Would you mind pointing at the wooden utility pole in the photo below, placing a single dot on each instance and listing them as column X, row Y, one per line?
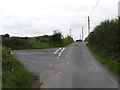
column 80, row 36
column 82, row 33
column 70, row 32
column 88, row 25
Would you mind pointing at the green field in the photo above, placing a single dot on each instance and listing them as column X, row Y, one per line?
column 18, row 43
column 36, row 45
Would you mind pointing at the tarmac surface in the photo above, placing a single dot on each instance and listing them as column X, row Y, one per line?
column 67, row 67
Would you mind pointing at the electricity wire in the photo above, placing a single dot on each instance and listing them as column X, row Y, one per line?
column 94, row 7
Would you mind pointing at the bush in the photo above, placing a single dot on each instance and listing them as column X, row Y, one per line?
column 106, row 36
column 15, row 42
column 56, row 39
column 14, row 74
column 68, row 40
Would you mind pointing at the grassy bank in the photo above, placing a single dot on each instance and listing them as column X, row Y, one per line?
column 67, row 41
column 104, row 42
column 105, row 59
column 14, row 74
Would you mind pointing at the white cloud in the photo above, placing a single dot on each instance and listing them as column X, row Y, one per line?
column 38, row 17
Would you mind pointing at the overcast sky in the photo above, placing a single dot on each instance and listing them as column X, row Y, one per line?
column 39, row 17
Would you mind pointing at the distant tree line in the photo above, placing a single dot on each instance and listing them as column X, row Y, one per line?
column 25, row 42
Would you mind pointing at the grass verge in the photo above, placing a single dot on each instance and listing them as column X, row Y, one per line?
column 14, row 74
column 42, row 45
column 102, row 56
column 68, row 41
column 35, row 46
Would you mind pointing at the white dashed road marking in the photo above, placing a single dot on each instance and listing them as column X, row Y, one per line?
column 50, row 65
column 42, row 53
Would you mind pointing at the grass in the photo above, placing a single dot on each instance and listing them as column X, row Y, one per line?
column 35, row 46
column 105, row 59
column 14, row 74
column 67, row 41
column 18, row 43
column 39, row 45
column 43, row 45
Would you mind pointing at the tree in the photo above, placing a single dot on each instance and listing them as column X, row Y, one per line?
column 56, row 38
column 6, row 35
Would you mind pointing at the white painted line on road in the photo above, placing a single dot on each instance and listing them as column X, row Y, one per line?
column 57, row 50
column 59, row 72
column 58, row 56
column 42, row 53
column 50, row 65
column 60, row 53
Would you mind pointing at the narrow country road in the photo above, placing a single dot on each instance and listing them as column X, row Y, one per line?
column 70, row 67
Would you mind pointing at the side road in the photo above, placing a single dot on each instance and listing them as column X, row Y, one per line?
column 76, row 67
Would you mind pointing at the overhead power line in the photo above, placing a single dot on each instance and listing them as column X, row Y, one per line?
column 94, row 7
column 90, row 15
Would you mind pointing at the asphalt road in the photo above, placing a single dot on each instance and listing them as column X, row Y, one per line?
column 71, row 67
